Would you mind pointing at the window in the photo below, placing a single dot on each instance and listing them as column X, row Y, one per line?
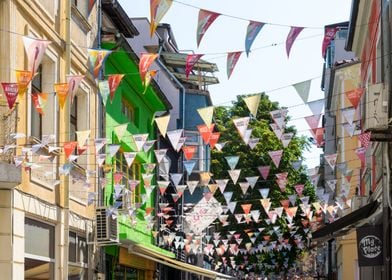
column 77, row 257
column 128, row 173
column 128, row 110
column 73, row 119
column 36, row 118
column 128, row 273
column 39, row 250
column 82, row 6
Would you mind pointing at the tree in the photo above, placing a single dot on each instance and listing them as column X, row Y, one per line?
column 281, row 246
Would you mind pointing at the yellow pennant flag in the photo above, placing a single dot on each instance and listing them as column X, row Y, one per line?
column 61, row 90
column 23, row 79
column 162, row 124
column 120, row 130
column 206, row 115
column 82, row 137
column 253, row 103
column 147, row 79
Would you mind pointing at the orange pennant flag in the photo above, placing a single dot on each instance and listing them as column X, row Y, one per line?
column 145, row 62
column 147, row 80
column 61, row 90
column 23, row 79
column 205, row 132
column 114, row 81
column 214, row 138
column 246, row 207
column 189, row 151
column 69, row 148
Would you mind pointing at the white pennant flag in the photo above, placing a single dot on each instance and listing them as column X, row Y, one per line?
column 248, row 134
column 350, row 128
column 244, row 187
column 253, row 142
column 252, row 181
column 192, row 186
column 316, row 106
column 286, row 139
column 113, row 148
column 222, row 184
column 242, row 125
column 140, row 140
column 148, row 145
column 100, row 158
column 219, row 146
column 176, row 178
column 160, row 154
column 180, row 143
column 349, row 114
column 174, row 137
column 331, row 159
column 264, row 192
column 99, row 143
column 120, row 130
column 276, row 129
column 279, row 116
column 232, row 206
column 129, row 157
column 232, row 161
column 234, row 175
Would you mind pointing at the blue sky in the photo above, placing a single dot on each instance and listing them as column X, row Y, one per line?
column 267, row 68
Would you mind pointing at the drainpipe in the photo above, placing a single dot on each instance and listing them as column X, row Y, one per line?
column 387, row 76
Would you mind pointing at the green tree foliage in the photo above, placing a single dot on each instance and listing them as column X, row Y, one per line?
column 273, row 260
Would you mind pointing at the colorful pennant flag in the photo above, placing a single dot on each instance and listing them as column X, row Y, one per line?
column 328, row 37
column 114, row 81
column 11, row 93
column 264, row 171
column 206, row 18
column 214, row 138
column 293, row 34
column 252, row 31
column 73, row 85
column 23, row 79
column 96, row 58
column 145, row 62
column 148, row 78
column 232, row 59
column 331, row 160
column 189, row 151
column 364, row 138
column 158, row 9
column 61, row 90
column 191, row 61
column 35, row 50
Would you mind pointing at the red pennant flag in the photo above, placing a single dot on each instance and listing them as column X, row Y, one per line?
column 232, row 59
column 205, row 132
column 285, row 203
column 114, row 81
column 11, row 93
column 206, row 18
column 69, row 148
column 214, row 138
column 37, row 105
column 144, row 64
column 328, row 36
column 355, row 96
column 189, row 151
column 319, row 136
column 293, row 34
column 191, row 60
column 246, row 207
column 364, row 138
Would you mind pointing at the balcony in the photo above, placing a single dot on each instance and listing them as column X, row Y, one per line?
column 10, row 175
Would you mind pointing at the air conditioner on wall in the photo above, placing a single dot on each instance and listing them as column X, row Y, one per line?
column 106, row 227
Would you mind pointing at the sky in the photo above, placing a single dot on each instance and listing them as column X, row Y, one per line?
column 267, row 69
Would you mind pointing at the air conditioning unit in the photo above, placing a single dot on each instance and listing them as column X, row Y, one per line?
column 106, row 227
column 358, row 202
column 376, row 109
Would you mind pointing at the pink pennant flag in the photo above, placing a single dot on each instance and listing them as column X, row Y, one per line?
column 313, row 122
column 364, row 138
column 361, row 153
column 191, row 60
column 299, row 189
column 232, row 59
column 264, row 171
column 206, row 18
column 11, row 93
column 35, row 50
column 276, row 157
column 328, row 36
column 73, row 85
column 293, row 34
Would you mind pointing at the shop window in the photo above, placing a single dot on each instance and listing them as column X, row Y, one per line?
column 39, row 250
column 128, row 273
column 77, row 256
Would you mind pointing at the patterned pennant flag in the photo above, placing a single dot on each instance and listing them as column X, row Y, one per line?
column 39, row 101
column 328, row 36
column 364, row 138
column 191, row 61
column 264, row 192
column 252, row 31
column 244, row 187
column 264, row 171
column 303, row 89
column 189, row 165
column 222, row 184
column 234, row 175
column 35, row 50
column 276, row 157
column 192, row 186
column 162, row 124
column 129, row 157
column 206, row 18
column 332, row 184
column 242, row 125
column 104, row 90
column 293, row 34
column 145, row 62
column 158, row 9
column 286, row 138
column 139, row 140
column 331, row 160
column 354, row 96
column 252, row 180
column 252, row 102
column 160, row 154
column 174, row 137
column 189, row 152
column 181, row 142
column 206, row 114
column 232, row 161
column 61, row 90
column 114, row 81
column 96, row 59
column 23, row 79
column 232, row 59
column 73, row 85
column 214, row 137
column 11, row 93
column 147, row 79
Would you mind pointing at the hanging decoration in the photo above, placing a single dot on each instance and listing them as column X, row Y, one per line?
column 206, row 18
column 293, row 34
column 158, row 9
column 191, row 60
column 232, row 59
column 35, row 50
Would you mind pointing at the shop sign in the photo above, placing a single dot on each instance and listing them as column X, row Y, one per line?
column 370, row 247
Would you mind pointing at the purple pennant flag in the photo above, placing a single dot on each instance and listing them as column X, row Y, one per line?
column 293, row 34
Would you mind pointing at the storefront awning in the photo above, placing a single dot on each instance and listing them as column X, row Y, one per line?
column 147, row 253
column 344, row 224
